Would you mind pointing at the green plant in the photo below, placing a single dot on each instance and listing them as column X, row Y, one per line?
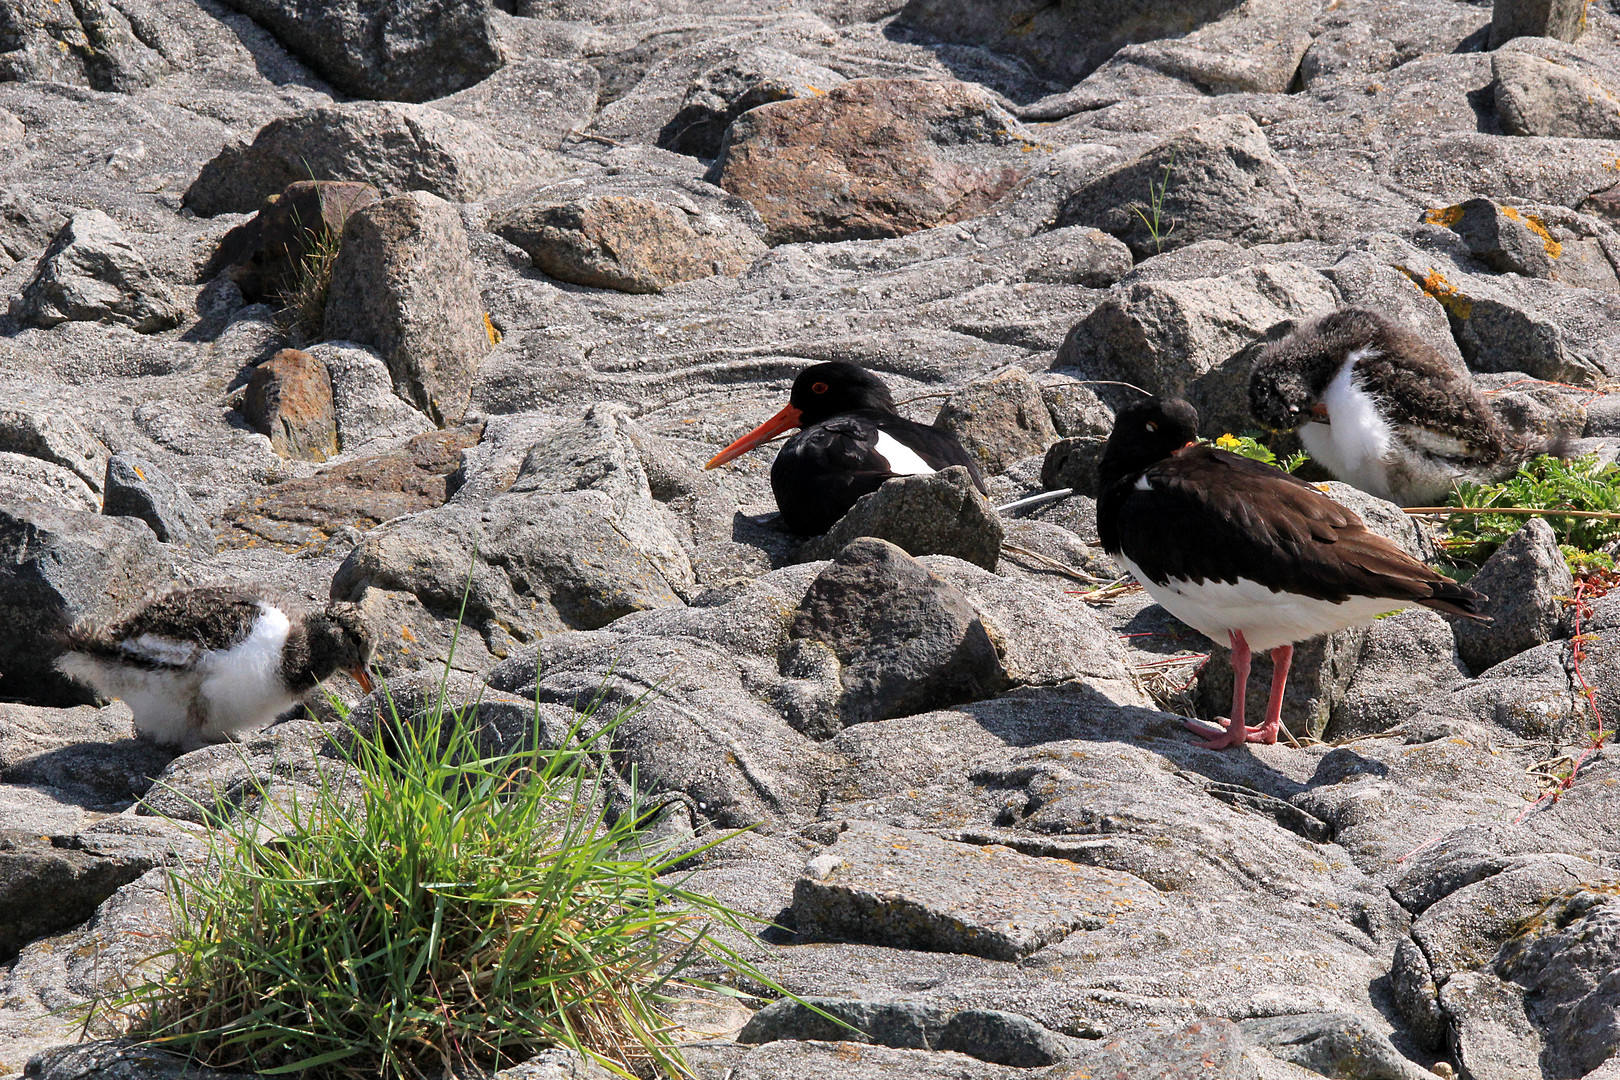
column 438, row 907
column 1588, row 489
column 1251, row 447
column 303, row 300
column 1153, row 214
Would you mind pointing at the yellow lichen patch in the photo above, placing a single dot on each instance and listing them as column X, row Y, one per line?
column 1445, row 216
column 1537, row 226
column 1435, row 284
column 495, row 335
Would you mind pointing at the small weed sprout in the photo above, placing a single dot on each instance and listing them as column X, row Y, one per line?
column 1250, row 446
column 1152, row 214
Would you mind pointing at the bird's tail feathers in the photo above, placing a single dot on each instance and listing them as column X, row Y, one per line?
column 1454, row 599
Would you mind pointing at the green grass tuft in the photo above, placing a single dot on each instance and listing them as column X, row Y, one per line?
column 303, row 301
column 438, row 907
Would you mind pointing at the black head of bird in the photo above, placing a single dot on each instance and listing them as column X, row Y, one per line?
column 821, row 392
column 1146, row 432
column 340, row 640
column 1292, row 373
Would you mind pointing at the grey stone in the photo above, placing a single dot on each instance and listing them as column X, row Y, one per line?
column 1566, row 959
column 24, row 478
column 1192, row 339
column 1007, row 1039
column 999, row 420
column 1223, row 183
column 1494, row 1039
column 1067, row 41
column 403, row 282
column 120, row 1059
column 57, row 566
column 385, row 48
column 904, row 640
column 137, row 488
column 556, row 1064
column 53, row 436
column 1526, row 581
column 907, row 889
column 364, row 405
column 289, row 399
column 900, row 1024
column 530, row 103
column 1561, row 19
column 1322, row 672
column 393, row 146
column 48, row 884
column 107, row 51
column 90, row 273
column 1332, row 1044
column 1405, row 660
column 933, row 514
column 83, row 756
column 635, row 236
column 724, row 92
column 1538, row 96
column 1501, row 237
column 1072, row 463
column 26, row 225
column 807, row 1060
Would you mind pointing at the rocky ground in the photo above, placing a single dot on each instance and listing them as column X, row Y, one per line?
column 599, row 239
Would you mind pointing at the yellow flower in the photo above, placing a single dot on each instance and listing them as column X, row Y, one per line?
column 1228, row 442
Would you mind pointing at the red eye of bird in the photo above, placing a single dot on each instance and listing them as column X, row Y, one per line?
column 820, row 387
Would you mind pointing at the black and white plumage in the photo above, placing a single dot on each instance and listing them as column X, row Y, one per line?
column 200, row 666
column 1382, row 410
column 1246, row 554
column 852, row 441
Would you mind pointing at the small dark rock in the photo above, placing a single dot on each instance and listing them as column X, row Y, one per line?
column 289, row 398
column 47, row 886
column 1500, row 237
column 938, row 514
column 1006, row 1039
column 137, row 488
column 999, row 420
column 902, row 1024
column 906, row 641
column 1525, row 583
column 1072, row 463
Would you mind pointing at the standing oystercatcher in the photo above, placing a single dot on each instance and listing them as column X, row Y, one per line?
column 199, row 666
column 1246, row 554
column 1381, row 410
column 852, row 440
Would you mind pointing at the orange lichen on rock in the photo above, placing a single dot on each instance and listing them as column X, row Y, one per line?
column 1537, row 226
column 1435, row 284
column 1445, row 216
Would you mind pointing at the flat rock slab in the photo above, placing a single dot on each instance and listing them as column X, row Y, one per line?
column 912, row 890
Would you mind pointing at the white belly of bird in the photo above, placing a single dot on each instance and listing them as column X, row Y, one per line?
column 241, row 687
column 1356, row 446
column 158, row 699
column 902, row 459
column 1266, row 617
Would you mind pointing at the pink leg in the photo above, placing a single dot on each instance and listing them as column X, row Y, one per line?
column 1281, row 657
column 1237, row 731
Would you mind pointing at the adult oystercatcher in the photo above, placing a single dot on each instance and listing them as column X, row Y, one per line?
column 1246, row 554
column 199, row 666
column 1382, row 410
column 852, row 440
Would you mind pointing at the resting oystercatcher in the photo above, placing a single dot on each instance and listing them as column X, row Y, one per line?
column 1382, row 410
column 199, row 666
column 852, row 440
column 1246, row 554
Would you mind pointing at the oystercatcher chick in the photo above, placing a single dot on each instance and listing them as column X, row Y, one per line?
column 1382, row 410
column 1246, row 554
column 852, row 440
column 200, row 666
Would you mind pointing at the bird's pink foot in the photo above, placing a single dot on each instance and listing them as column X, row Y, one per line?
column 1222, row 733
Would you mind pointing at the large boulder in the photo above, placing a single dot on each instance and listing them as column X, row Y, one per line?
column 394, row 147
column 999, row 420
column 634, row 235
column 1538, row 95
column 94, row 43
column 403, row 283
column 905, row 641
column 1526, row 583
column 872, row 158
column 1193, row 338
column 1561, row 19
column 289, row 398
column 1065, row 41
column 136, row 488
column 401, row 50
column 724, row 92
column 90, row 273
column 933, row 514
column 530, row 104
column 57, row 566
column 1216, row 180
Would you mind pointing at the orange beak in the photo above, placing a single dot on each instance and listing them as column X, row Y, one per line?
column 783, row 422
column 359, row 675
column 1319, row 411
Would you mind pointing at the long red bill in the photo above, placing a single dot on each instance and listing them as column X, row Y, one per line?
column 784, row 421
column 360, row 675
